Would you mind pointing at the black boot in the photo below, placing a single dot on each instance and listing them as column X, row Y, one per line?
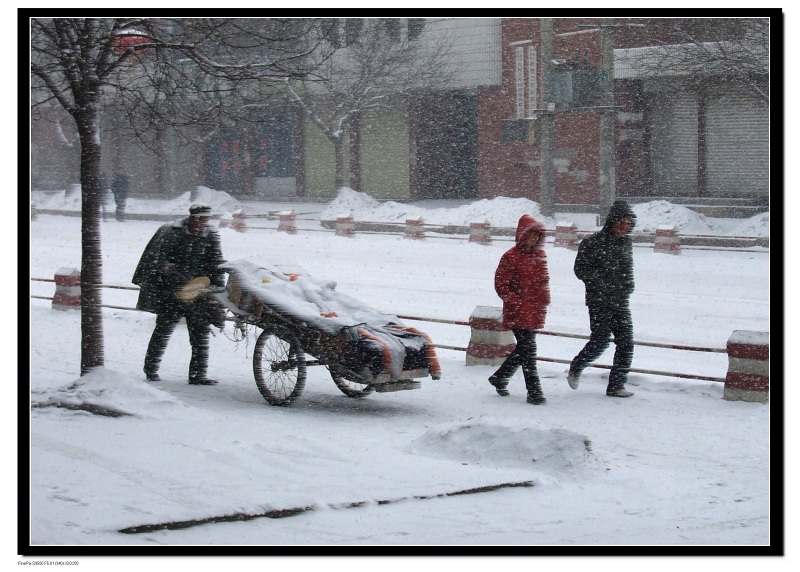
column 535, row 393
column 536, row 398
column 202, row 381
column 500, row 384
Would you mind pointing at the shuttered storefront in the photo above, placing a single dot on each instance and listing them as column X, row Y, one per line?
column 737, row 146
column 673, row 143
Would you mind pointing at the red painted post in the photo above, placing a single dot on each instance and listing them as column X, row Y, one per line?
column 667, row 240
column 345, row 226
column 480, row 232
column 238, row 222
column 287, row 222
column 567, row 235
column 748, row 367
column 414, row 229
column 490, row 342
column 68, row 289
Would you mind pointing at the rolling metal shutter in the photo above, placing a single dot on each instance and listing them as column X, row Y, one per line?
column 737, row 139
column 673, row 144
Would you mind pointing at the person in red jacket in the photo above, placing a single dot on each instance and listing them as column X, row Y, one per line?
column 523, row 283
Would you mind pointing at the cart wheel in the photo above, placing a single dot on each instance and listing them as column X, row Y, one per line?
column 279, row 365
column 349, row 388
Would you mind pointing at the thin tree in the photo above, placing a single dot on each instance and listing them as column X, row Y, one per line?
column 82, row 64
column 378, row 66
column 710, row 53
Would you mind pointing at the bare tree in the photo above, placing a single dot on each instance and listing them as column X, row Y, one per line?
column 82, row 66
column 711, row 53
column 379, row 66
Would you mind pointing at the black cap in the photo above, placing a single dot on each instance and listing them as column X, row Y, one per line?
column 200, row 210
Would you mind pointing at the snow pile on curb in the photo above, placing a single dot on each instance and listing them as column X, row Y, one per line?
column 494, row 442
column 500, row 211
column 107, row 391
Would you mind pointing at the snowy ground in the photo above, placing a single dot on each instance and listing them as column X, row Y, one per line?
column 674, row 468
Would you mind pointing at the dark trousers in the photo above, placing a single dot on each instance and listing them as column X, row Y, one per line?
column 605, row 321
column 120, row 213
column 198, row 338
column 524, row 355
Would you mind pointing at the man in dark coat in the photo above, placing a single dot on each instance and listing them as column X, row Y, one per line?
column 605, row 265
column 119, row 188
column 179, row 252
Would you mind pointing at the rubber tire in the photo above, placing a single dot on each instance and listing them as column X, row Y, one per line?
column 279, row 386
column 350, row 388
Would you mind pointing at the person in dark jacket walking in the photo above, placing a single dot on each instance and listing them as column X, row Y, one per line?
column 180, row 252
column 523, row 283
column 119, row 188
column 106, row 197
column 605, row 265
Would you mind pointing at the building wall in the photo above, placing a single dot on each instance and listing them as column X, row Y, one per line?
column 474, row 49
column 319, row 162
column 55, row 153
column 384, row 154
column 513, row 169
column 444, row 127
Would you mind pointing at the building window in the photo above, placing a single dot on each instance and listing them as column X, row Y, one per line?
column 519, row 77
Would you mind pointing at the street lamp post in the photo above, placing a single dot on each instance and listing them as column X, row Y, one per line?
column 546, row 121
column 607, row 159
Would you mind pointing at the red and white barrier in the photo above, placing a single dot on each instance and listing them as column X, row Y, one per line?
column 567, row 235
column 490, row 342
column 748, row 367
column 225, row 220
column 414, row 229
column 68, row 289
column 480, row 232
column 345, row 226
column 287, row 222
column 238, row 221
column 667, row 240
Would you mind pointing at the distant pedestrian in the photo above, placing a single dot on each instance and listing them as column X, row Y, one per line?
column 119, row 188
column 185, row 251
column 106, row 197
column 523, row 283
column 605, row 265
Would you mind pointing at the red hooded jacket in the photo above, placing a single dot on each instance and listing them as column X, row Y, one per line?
column 522, row 280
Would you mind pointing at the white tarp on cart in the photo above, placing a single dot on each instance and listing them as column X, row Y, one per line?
column 293, row 293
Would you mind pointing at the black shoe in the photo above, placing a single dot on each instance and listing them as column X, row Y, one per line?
column 203, row 381
column 536, row 398
column 500, row 385
column 153, row 377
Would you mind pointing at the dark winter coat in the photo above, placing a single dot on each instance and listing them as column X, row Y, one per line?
column 605, row 262
column 522, row 280
column 119, row 187
column 173, row 257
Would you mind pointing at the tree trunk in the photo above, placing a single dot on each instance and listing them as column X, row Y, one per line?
column 92, row 344
column 338, row 146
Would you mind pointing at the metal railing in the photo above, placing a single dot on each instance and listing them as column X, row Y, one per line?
column 680, row 347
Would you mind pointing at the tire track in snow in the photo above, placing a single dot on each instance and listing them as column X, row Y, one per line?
column 167, row 488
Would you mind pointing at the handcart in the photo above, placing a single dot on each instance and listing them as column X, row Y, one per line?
column 306, row 322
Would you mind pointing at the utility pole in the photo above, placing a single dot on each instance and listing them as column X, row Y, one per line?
column 546, row 120
column 607, row 179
